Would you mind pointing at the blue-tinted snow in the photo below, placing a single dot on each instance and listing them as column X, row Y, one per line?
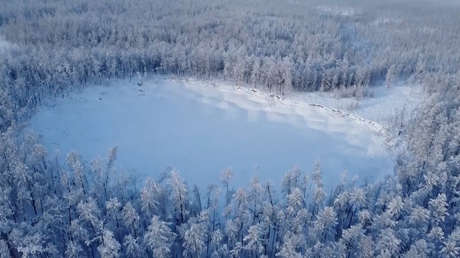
column 163, row 123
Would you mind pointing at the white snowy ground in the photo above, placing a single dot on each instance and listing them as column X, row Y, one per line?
column 201, row 128
column 381, row 108
column 375, row 113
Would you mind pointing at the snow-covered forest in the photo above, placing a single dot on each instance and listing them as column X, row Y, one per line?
column 79, row 208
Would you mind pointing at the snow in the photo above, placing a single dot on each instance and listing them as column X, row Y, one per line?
column 296, row 109
column 381, row 108
column 5, row 45
column 381, row 21
column 374, row 112
column 338, row 10
column 201, row 128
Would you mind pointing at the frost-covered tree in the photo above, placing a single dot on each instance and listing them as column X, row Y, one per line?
column 159, row 238
column 253, row 241
column 225, row 178
column 133, row 247
column 388, row 244
column 78, row 208
column 325, row 223
column 151, row 196
column 109, row 247
column 179, row 197
column 194, row 240
column 290, row 247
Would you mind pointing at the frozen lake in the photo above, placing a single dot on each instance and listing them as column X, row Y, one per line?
column 165, row 124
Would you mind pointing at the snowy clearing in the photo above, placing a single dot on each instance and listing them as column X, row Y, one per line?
column 374, row 112
column 201, row 129
column 381, row 108
column 338, row 10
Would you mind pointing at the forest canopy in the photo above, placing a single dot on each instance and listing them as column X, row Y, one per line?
column 48, row 46
column 78, row 208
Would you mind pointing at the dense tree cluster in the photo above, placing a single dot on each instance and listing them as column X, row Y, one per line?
column 88, row 209
column 48, row 45
column 83, row 209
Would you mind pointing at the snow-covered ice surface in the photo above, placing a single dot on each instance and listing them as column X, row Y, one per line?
column 381, row 108
column 201, row 128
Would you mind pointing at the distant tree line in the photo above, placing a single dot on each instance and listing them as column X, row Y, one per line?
column 54, row 45
column 88, row 209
